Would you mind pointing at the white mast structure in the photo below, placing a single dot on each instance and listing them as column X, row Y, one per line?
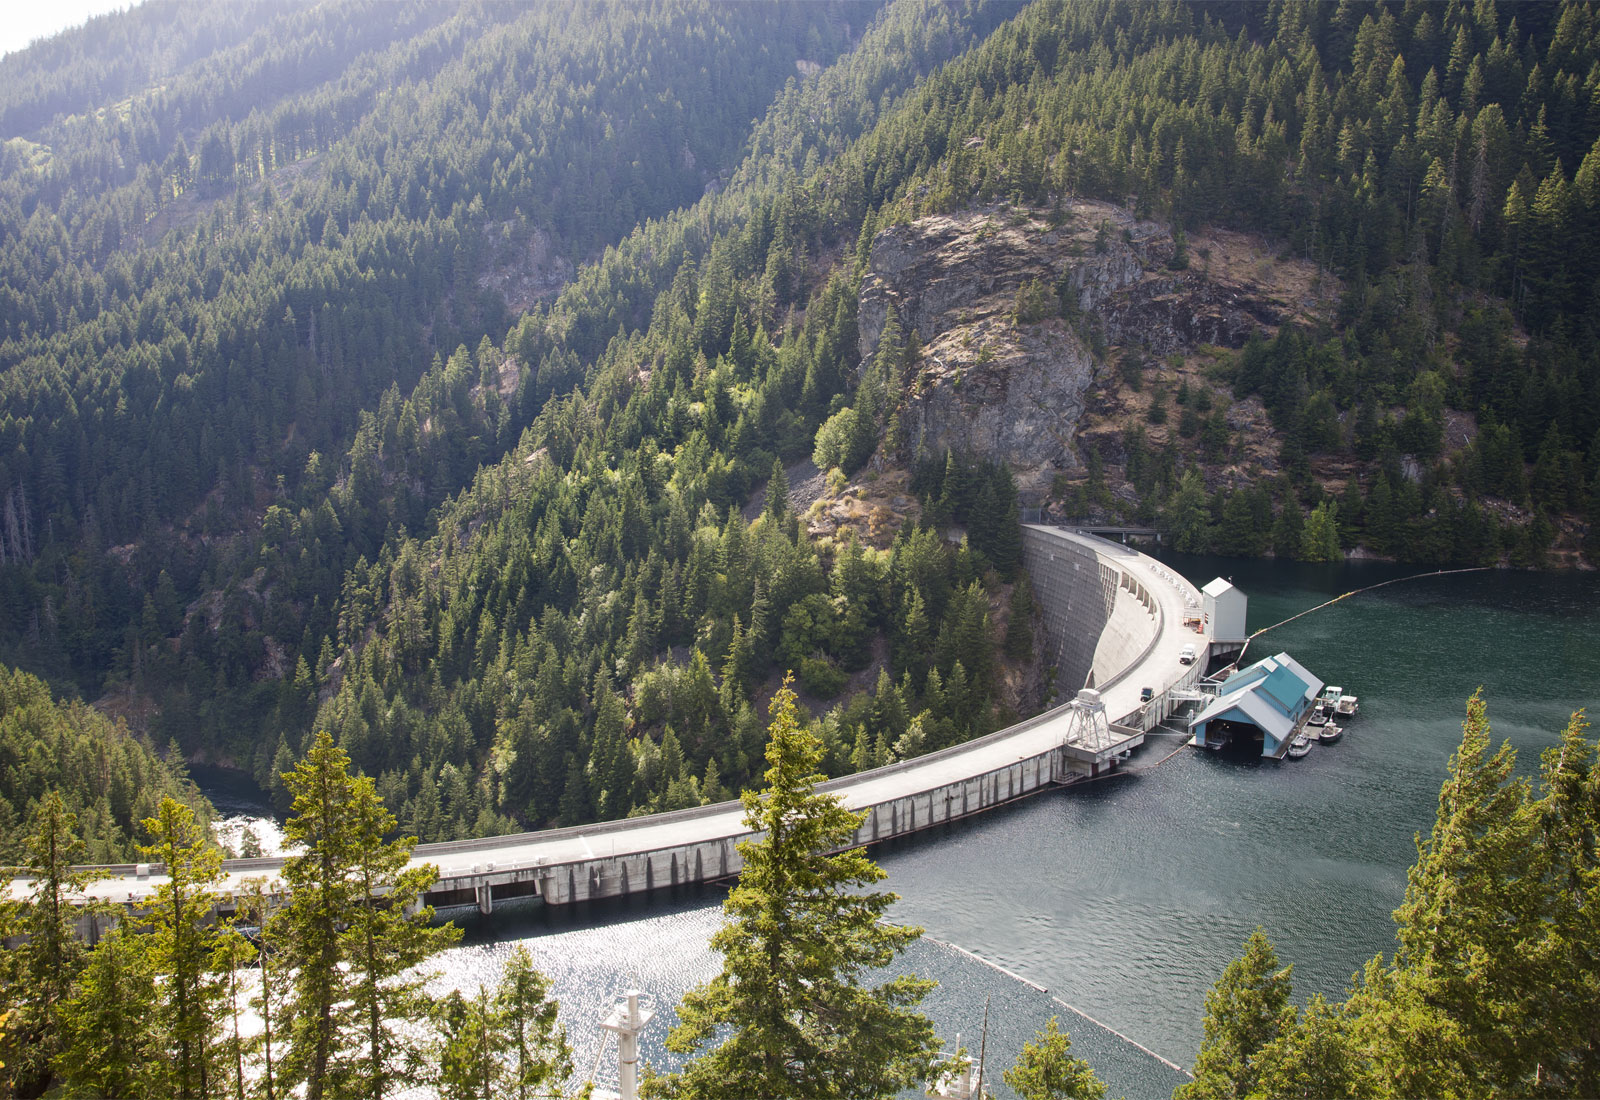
column 629, row 1016
column 955, row 1076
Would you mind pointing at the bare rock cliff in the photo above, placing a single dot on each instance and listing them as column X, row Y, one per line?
column 1013, row 388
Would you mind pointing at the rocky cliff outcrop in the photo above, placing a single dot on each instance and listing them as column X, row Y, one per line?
column 1010, row 388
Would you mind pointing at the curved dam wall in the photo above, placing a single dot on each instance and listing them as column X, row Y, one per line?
column 1112, row 616
column 1099, row 617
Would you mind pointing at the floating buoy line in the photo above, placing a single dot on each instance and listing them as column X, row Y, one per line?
column 1357, row 592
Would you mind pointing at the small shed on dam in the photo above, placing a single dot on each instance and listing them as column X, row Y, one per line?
column 1270, row 699
column 1224, row 607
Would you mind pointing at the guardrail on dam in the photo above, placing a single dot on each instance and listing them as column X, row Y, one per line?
column 1116, row 620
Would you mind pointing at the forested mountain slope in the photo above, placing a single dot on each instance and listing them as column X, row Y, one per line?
column 550, row 598
column 110, row 779
column 339, row 187
column 518, row 579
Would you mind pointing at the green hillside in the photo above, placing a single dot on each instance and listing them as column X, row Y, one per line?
column 425, row 382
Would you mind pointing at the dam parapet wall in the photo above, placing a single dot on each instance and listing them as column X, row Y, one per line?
column 1113, row 617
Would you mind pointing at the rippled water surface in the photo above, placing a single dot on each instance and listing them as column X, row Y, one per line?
column 593, row 953
column 1127, row 897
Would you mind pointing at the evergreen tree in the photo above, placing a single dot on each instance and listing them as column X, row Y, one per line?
column 1185, row 519
column 113, row 1047
column 1288, row 531
column 789, row 1014
column 231, row 959
column 1019, row 624
column 39, row 974
column 1005, row 527
column 539, row 1057
column 469, row 1054
column 1319, row 540
column 387, row 936
column 778, row 492
column 353, row 926
column 1046, row 1070
column 255, row 904
column 1247, row 1009
column 1316, row 1057
column 1491, row 991
column 181, row 945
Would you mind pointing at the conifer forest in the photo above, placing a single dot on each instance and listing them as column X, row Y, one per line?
column 475, row 417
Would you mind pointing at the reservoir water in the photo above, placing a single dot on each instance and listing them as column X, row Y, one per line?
column 1127, row 897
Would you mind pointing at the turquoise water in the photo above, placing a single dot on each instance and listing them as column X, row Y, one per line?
column 1126, row 898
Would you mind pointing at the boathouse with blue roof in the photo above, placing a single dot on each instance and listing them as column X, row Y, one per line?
column 1270, row 699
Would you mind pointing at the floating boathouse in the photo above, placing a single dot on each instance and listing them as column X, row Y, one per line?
column 1269, row 700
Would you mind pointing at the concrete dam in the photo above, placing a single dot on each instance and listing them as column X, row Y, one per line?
column 1117, row 622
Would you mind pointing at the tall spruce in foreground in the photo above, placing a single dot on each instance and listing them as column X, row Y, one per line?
column 1245, row 1011
column 790, row 1014
column 1492, row 989
column 537, row 1053
column 1046, row 1069
column 352, row 933
column 189, row 997
column 37, row 977
column 505, row 1042
column 256, row 904
column 109, row 1045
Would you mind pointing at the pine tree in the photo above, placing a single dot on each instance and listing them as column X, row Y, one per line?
column 1185, row 518
column 181, row 944
column 111, row 1047
column 1314, row 1058
column 230, row 959
column 778, row 492
column 1046, row 1070
column 536, row 1043
column 1319, row 539
column 1468, row 906
column 255, row 903
column 1245, row 1011
column 1019, row 624
column 789, row 1014
column 353, row 926
column 1288, row 530
column 915, row 639
column 468, row 1057
column 1005, row 537
column 41, row 971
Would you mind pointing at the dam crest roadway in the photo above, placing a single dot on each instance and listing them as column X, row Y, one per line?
column 1116, row 621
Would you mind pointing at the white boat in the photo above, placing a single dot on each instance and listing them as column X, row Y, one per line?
column 1347, row 706
column 1299, row 747
column 1331, row 733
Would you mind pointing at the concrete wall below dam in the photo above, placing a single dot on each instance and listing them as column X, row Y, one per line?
column 1100, row 618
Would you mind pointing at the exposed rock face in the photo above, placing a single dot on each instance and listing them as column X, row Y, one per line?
column 1171, row 314
column 526, row 267
column 973, row 262
column 1014, row 392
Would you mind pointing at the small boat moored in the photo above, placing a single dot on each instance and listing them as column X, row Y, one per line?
column 1299, row 747
column 1347, row 706
column 1331, row 733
